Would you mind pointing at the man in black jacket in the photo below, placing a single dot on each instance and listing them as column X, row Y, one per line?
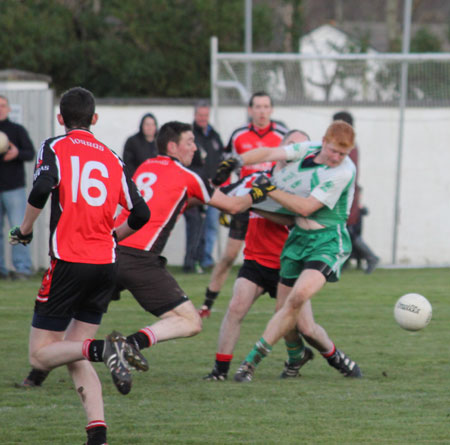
column 202, row 225
column 12, row 189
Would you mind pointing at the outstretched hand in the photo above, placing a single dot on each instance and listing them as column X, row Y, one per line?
column 260, row 188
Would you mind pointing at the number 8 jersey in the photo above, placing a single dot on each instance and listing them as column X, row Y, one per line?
column 89, row 182
column 165, row 185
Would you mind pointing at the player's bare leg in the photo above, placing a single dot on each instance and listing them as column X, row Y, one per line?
column 49, row 349
column 245, row 294
column 182, row 321
column 86, row 381
column 298, row 353
column 308, row 284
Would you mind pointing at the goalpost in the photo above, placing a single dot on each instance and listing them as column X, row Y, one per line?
column 341, row 80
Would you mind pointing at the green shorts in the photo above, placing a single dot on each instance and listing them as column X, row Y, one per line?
column 331, row 246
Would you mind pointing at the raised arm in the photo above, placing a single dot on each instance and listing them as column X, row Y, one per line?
column 263, row 154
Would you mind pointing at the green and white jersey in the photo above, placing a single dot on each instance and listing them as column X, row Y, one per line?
column 333, row 186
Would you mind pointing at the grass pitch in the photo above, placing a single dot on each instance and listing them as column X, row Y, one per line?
column 404, row 397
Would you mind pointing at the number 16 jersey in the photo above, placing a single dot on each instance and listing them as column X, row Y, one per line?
column 89, row 182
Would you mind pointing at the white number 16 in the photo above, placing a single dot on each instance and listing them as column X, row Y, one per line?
column 86, row 183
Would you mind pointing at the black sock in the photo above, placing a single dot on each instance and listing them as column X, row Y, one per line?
column 210, row 297
column 139, row 339
column 223, row 367
column 96, row 435
column 96, row 350
column 37, row 376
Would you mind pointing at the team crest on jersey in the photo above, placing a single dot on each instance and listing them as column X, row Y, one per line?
column 39, row 170
column 327, row 186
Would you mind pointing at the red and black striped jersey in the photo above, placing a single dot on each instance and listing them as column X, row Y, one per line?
column 89, row 184
column 165, row 185
column 249, row 137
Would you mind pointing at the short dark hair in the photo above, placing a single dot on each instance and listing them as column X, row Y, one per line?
column 77, row 107
column 170, row 132
column 343, row 116
column 259, row 94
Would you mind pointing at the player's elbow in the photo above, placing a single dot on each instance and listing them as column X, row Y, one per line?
column 305, row 212
column 139, row 215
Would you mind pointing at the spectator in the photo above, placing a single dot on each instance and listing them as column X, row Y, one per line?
column 141, row 146
column 200, row 244
column 12, row 190
column 360, row 250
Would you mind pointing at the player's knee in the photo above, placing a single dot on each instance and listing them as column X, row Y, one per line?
column 196, row 324
column 236, row 309
column 36, row 362
column 293, row 304
column 228, row 260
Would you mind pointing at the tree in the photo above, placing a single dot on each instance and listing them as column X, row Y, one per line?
column 123, row 48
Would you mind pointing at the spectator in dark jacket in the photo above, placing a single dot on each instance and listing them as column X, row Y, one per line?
column 141, row 146
column 202, row 225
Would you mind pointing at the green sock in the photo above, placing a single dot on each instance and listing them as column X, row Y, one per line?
column 295, row 350
column 259, row 351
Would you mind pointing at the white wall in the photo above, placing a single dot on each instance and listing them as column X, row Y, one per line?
column 425, row 188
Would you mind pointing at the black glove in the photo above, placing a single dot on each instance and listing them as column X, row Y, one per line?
column 261, row 186
column 224, row 170
column 16, row 237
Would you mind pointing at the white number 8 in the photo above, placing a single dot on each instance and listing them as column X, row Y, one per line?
column 144, row 182
column 87, row 183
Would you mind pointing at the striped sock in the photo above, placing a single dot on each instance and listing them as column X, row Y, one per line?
column 96, row 432
column 295, row 350
column 259, row 351
column 93, row 349
column 143, row 339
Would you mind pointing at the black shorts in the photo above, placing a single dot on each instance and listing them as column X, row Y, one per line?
column 145, row 275
column 265, row 277
column 73, row 290
column 238, row 225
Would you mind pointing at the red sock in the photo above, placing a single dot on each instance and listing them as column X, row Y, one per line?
column 329, row 353
column 85, row 348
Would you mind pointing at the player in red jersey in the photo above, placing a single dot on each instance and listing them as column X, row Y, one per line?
column 87, row 182
column 167, row 186
column 264, row 242
column 261, row 131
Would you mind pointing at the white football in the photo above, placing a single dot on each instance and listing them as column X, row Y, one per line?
column 4, row 142
column 412, row 312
